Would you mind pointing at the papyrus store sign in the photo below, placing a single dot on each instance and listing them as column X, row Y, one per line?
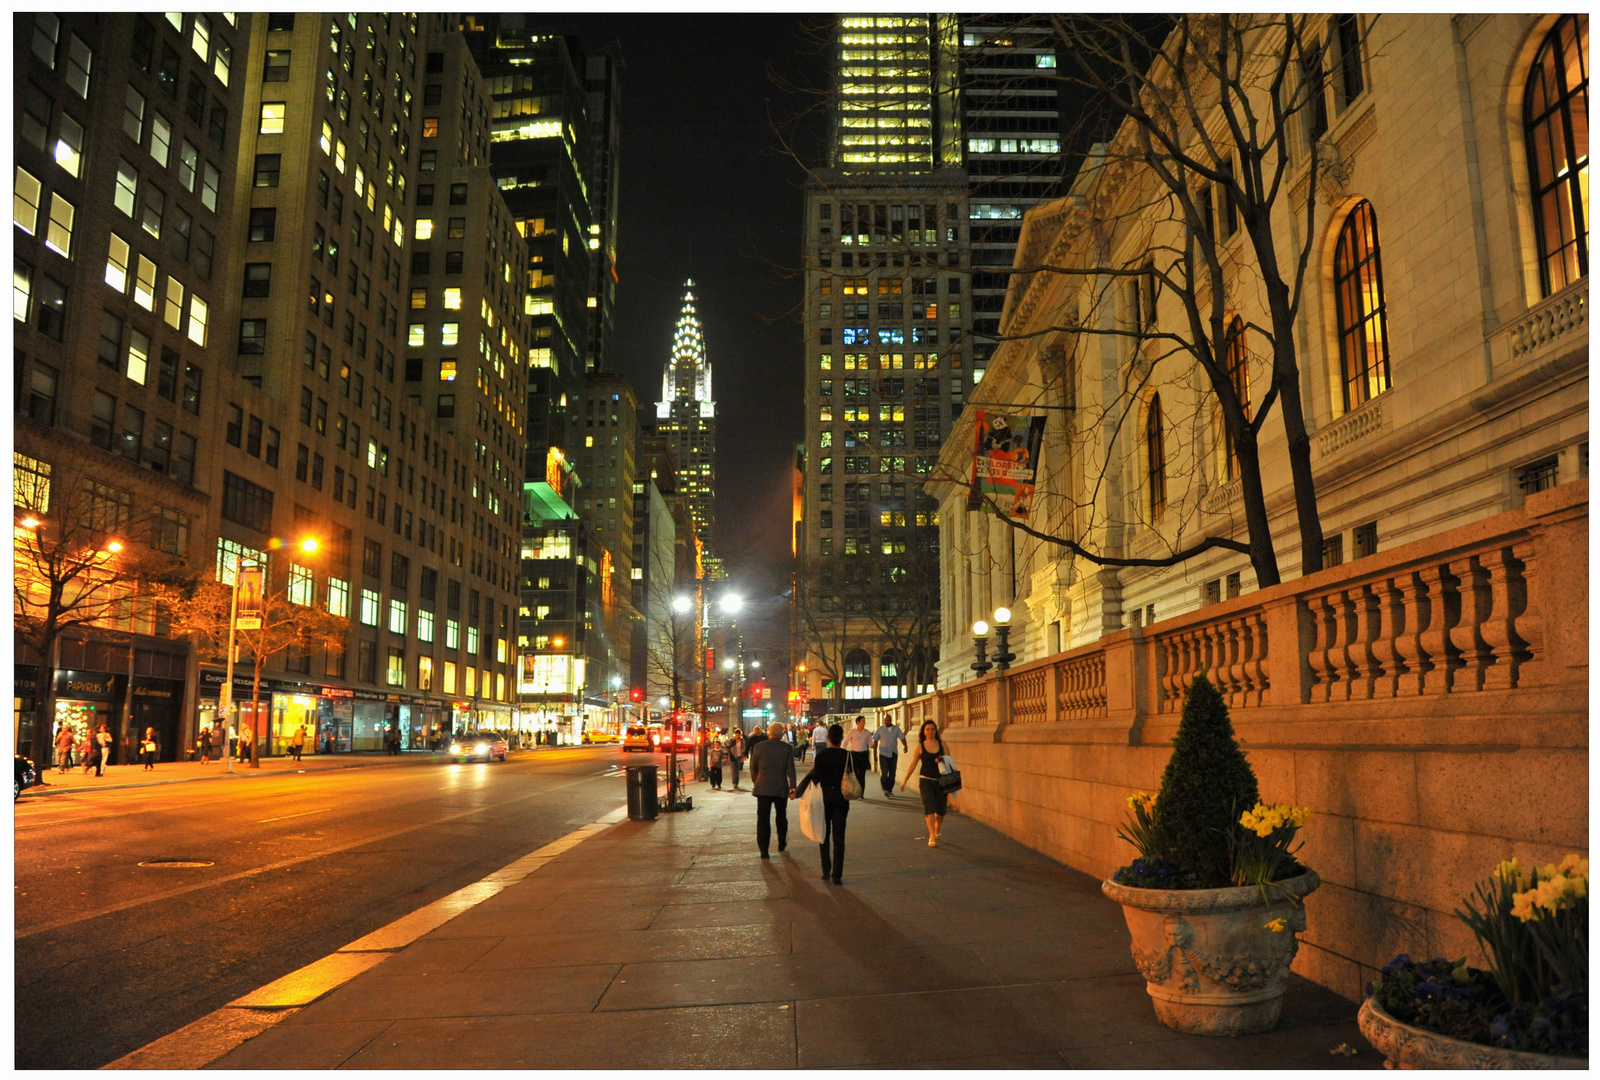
column 251, row 583
column 1005, row 461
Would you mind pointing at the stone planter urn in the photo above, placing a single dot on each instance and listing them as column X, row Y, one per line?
column 1211, row 964
column 1406, row 1046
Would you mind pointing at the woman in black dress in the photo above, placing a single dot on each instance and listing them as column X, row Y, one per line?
column 827, row 772
column 925, row 766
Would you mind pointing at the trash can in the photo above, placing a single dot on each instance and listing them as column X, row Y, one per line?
column 642, row 804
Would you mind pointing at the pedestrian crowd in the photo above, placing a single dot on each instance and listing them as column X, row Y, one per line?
column 841, row 760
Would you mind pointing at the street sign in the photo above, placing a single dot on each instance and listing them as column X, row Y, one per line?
column 251, row 584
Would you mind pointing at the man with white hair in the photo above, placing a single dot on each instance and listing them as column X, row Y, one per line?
column 772, row 783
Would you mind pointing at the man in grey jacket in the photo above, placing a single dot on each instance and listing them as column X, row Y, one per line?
column 772, row 783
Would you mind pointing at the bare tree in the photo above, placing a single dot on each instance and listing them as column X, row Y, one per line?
column 1222, row 113
column 904, row 611
column 87, row 555
column 822, row 626
column 290, row 619
column 673, row 655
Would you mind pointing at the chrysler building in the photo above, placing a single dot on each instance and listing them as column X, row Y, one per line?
column 687, row 416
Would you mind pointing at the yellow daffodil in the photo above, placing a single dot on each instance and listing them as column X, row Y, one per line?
column 1277, row 926
column 1575, row 865
column 1522, row 906
column 1509, row 872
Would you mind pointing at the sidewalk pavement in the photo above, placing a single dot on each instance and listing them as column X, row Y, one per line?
column 178, row 772
column 671, row 944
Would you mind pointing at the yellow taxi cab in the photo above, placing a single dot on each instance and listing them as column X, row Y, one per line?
column 637, row 737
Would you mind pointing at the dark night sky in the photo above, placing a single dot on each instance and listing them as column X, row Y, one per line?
column 707, row 193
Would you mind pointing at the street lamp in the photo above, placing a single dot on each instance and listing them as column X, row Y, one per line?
column 1002, row 627
column 980, row 641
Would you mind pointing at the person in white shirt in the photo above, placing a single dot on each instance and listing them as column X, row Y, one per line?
column 888, row 739
column 858, row 742
column 819, row 736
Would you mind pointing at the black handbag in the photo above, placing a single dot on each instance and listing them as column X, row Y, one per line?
column 950, row 782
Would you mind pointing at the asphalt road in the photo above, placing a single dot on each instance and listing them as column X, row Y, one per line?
column 111, row 955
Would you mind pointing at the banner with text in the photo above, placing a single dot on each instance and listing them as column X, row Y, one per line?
column 1005, row 462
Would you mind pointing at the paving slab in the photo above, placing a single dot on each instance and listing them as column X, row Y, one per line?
column 670, row 944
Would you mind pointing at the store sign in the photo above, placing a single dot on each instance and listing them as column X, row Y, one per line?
column 250, row 599
column 84, row 684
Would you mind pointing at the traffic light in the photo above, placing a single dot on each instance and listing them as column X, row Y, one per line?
column 636, row 694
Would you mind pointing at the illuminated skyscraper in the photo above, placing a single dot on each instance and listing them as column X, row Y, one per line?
column 687, row 417
column 896, row 100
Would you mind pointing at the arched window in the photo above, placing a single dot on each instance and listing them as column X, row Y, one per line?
column 857, row 675
column 1555, row 117
column 1155, row 450
column 889, row 680
column 1236, row 355
column 1358, row 295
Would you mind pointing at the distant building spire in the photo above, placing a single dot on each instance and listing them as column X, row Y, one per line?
column 687, row 414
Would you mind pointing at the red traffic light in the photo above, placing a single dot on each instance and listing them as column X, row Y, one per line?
column 636, row 694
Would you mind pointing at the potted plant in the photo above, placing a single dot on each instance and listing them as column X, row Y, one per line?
column 1216, row 896
column 1529, row 1010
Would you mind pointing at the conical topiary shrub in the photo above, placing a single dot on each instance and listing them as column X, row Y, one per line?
column 1207, row 785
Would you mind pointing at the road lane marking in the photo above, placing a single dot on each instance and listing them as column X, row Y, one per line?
column 126, row 905
column 218, row 1033
column 286, row 817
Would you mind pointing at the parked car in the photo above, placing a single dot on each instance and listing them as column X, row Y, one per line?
column 478, row 748
column 27, row 776
column 637, row 737
column 593, row 736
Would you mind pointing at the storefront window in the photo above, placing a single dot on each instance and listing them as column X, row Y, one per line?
column 449, row 677
column 424, row 673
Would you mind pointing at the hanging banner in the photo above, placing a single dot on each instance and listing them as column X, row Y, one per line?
column 1005, row 461
column 251, row 583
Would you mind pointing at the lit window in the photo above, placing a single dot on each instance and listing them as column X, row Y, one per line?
column 1555, row 118
column 326, row 141
column 21, row 289
column 338, row 597
column 144, row 284
column 417, row 334
column 447, row 371
column 160, row 139
column 452, row 301
column 397, row 617
column 199, row 317
column 1360, row 309
column 594, row 301
column 272, row 114
column 69, row 144
column 424, row 230
column 138, row 357
column 1046, row 61
column 302, row 587
column 425, row 626
column 25, row 201
column 452, row 634
column 449, row 333
column 424, row 673
column 127, row 188
column 472, row 640
column 338, row 155
column 174, row 309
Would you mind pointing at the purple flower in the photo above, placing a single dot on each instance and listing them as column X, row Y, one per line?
column 1395, row 965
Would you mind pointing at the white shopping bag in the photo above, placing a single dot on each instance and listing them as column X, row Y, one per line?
column 813, row 822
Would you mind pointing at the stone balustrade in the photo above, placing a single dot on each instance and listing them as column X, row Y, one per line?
column 1425, row 702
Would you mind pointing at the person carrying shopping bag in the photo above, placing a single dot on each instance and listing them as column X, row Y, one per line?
column 147, row 749
column 772, row 782
column 828, row 772
column 925, row 765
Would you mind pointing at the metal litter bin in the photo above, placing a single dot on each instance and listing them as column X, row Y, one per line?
column 642, row 803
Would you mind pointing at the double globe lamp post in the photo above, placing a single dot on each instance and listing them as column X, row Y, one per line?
column 980, row 641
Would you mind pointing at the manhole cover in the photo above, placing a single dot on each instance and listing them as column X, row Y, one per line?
column 176, row 864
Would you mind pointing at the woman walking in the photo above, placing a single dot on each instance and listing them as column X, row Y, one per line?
column 205, row 745
column 827, row 772
column 103, row 738
column 147, row 749
column 925, row 766
column 736, row 752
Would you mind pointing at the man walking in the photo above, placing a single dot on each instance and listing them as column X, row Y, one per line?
column 819, row 736
column 64, row 740
column 888, row 739
column 298, row 743
column 858, row 742
column 772, row 781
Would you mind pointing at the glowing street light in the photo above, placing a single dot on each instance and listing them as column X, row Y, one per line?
column 309, row 545
column 114, row 547
column 29, row 522
column 682, row 605
column 732, row 602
